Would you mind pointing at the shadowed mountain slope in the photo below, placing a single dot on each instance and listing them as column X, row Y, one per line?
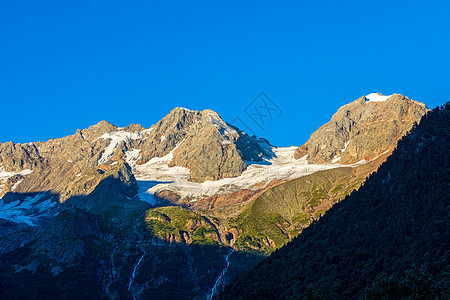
column 391, row 238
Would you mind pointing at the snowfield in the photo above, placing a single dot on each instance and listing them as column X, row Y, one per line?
column 29, row 210
column 282, row 166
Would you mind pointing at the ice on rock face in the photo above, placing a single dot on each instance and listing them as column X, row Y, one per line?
column 13, row 188
column 374, row 97
column 345, row 146
column 147, row 131
column 5, row 175
column 222, row 126
column 116, row 138
column 132, row 156
column 335, row 160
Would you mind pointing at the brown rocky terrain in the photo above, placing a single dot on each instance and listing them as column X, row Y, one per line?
column 362, row 129
column 202, row 142
column 74, row 165
column 56, row 164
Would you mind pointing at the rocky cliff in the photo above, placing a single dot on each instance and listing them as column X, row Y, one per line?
column 202, row 142
column 363, row 129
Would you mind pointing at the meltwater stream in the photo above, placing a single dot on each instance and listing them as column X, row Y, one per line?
column 222, row 274
column 133, row 275
column 224, row 271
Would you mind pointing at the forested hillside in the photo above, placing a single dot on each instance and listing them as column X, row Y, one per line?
column 388, row 240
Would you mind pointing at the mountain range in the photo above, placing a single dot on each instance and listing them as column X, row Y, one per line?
column 180, row 209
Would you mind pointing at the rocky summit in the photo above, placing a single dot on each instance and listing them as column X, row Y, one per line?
column 362, row 129
column 179, row 209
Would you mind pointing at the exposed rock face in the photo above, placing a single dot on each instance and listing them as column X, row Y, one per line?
column 210, row 149
column 18, row 157
column 73, row 166
column 65, row 166
column 165, row 135
column 362, row 129
column 201, row 142
column 95, row 131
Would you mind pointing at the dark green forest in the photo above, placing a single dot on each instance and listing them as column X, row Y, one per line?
column 388, row 240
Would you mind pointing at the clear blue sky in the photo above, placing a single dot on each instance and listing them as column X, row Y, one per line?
column 69, row 64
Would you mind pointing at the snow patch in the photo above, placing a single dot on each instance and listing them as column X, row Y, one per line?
column 374, row 97
column 147, row 131
column 28, row 211
column 4, row 175
column 345, row 146
column 154, row 173
column 132, row 156
column 25, row 172
column 335, row 160
column 379, row 155
column 116, row 138
column 225, row 129
column 163, row 138
column 16, row 185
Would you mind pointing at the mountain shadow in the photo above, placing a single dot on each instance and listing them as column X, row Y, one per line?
column 86, row 256
column 107, row 244
column 388, row 240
